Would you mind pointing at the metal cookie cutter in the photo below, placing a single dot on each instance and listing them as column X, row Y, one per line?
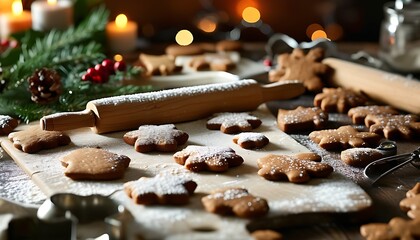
column 87, row 209
column 384, row 166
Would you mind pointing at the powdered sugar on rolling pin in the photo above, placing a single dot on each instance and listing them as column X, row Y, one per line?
column 173, row 93
column 411, row 83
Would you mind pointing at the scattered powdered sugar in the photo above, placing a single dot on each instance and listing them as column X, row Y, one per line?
column 358, row 153
column 230, row 119
column 250, row 137
column 230, row 194
column 174, row 93
column 410, row 83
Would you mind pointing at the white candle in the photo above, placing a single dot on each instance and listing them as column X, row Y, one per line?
column 51, row 14
column 15, row 21
column 121, row 35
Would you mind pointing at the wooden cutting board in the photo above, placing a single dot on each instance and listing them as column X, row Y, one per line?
column 334, row 194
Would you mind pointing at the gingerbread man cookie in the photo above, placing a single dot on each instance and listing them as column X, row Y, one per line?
column 397, row 228
column 7, row 124
column 235, row 201
column 163, row 138
column 231, row 122
column 297, row 168
column 301, row 119
column 394, row 126
column 158, row 65
column 305, row 68
column 358, row 114
column 251, row 140
column 94, row 164
column 344, row 137
column 215, row 159
column 338, row 100
column 34, row 139
column 164, row 188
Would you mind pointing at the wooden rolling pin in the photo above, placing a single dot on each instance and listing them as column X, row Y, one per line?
column 171, row 106
column 383, row 87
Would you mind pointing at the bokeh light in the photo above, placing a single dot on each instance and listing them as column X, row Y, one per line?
column 118, row 58
column 318, row 34
column 207, row 25
column 312, row 28
column 121, row 20
column 184, row 37
column 334, row 31
column 251, row 15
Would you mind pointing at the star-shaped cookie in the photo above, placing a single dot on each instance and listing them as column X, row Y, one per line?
column 164, row 188
column 394, row 126
column 162, row 138
column 7, row 124
column 305, row 68
column 397, row 228
column 301, row 119
column 232, row 122
column 344, row 137
column 338, row 100
column 235, row 201
column 297, row 168
column 211, row 158
column 34, row 139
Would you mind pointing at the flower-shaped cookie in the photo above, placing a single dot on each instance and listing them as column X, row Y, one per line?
column 164, row 188
column 162, row 138
column 344, row 137
column 211, row 158
column 235, row 201
column 94, row 164
column 397, row 228
column 231, row 122
column 301, row 119
column 34, row 139
column 7, row 124
column 305, row 68
column 358, row 114
column 394, row 126
column 297, row 168
column 338, row 100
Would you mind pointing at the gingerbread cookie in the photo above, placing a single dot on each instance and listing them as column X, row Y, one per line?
column 306, row 68
column 358, row 114
column 266, row 235
column 235, row 201
column 414, row 191
column 397, row 228
column 215, row 159
column 251, row 140
column 7, row 124
column 228, row 45
column 175, row 50
column 394, row 126
column 162, row 138
column 297, row 168
column 94, row 164
column 164, row 189
column 214, row 62
column 338, row 100
column 230, row 122
column 158, row 65
column 34, row 139
column 360, row 157
column 301, row 119
column 411, row 204
column 344, row 137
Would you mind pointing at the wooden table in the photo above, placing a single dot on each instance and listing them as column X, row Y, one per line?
column 15, row 185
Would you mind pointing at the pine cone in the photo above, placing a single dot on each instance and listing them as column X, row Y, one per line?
column 45, row 85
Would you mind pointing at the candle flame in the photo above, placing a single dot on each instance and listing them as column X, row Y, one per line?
column 121, row 20
column 251, row 15
column 318, row 34
column 52, row 2
column 118, row 57
column 184, row 37
column 17, row 7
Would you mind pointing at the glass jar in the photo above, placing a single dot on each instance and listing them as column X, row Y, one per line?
column 400, row 37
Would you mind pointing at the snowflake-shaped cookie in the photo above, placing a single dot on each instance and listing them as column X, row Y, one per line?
column 358, row 114
column 34, row 139
column 394, row 126
column 231, row 122
column 297, row 168
column 338, row 100
column 163, row 138
column 301, row 119
column 235, row 201
column 344, row 137
column 7, row 124
column 164, row 188
column 211, row 158
column 397, row 228
column 305, row 68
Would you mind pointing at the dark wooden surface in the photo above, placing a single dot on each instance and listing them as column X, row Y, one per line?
column 386, row 195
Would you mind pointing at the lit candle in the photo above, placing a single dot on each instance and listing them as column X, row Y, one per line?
column 16, row 21
column 51, row 14
column 121, row 34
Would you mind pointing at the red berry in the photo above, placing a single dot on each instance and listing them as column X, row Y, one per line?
column 92, row 71
column 14, row 44
column 108, row 64
column 4, row 43
column 267, row 62
column 120, row 66
column 86, row 77
column 97, row 78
